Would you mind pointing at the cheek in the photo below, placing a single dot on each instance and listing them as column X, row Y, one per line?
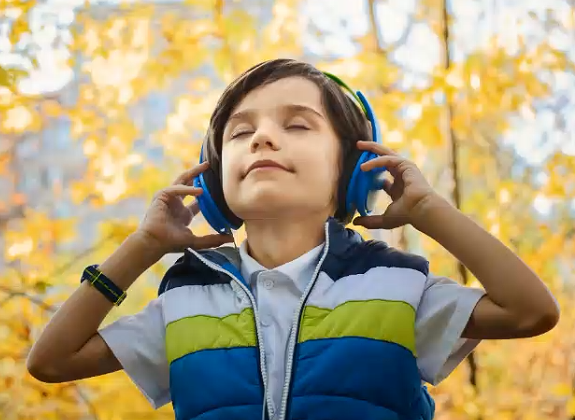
column 230, row 174
column 322, row 170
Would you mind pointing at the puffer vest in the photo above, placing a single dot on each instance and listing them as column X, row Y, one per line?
column 351, row 353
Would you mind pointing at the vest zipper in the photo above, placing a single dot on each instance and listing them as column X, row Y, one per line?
column 295, row 328
column 263, row 369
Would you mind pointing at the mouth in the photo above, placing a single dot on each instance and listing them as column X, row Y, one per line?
column 266, row 164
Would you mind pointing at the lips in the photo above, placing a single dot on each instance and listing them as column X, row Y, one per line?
column 266, row 163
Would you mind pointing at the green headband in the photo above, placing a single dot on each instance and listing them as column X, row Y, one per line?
column 347, row 88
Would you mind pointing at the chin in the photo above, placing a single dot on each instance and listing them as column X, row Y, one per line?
column 264, row 205
column 269, row 203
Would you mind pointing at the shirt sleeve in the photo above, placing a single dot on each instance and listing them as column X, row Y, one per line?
column 442, row 315
column 138, row 342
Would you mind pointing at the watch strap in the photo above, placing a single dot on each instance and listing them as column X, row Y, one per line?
column 103, row 284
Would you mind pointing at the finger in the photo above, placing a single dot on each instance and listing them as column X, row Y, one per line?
column 212, row 241
column 377, row 148
column 379, row 222
column 181, row 191
column 194, row 207
column 388, row 161
column 187, row 176
column 387, row 185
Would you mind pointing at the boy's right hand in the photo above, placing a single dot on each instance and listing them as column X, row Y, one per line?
column 165, row 224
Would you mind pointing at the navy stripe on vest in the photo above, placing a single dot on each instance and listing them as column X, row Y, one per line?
column 348, row 254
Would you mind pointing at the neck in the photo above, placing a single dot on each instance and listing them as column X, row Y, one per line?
column 273, row 243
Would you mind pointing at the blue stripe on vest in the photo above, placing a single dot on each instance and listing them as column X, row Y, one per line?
column 337, row 377
column 217, row 384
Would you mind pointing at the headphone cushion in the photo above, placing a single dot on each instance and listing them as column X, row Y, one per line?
column 365, row 186
column 350, row 162
column 212, row 182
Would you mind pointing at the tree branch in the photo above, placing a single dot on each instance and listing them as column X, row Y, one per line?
column 401, row 40
column 64, row 267
column 374, row 27
column 20, row 293
column 387, row 50
column 219, row 15
column 12, row 293
column 86, row 401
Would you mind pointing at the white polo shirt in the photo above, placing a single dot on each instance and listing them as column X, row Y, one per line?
column 138, row 341
column 277, row 294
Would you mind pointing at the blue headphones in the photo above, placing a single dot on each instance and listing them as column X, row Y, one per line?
column 359, row 191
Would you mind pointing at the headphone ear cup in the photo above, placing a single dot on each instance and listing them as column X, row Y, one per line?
column 343, row 213
column 213, row 205
column 362, row 188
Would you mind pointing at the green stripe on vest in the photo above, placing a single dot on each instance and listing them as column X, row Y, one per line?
column 203, row 332
column 392, row 321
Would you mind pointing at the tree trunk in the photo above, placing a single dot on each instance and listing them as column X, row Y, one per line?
column 451, row 139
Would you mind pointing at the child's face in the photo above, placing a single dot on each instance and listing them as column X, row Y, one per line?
column 284, row 122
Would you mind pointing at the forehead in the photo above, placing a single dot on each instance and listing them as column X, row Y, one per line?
column 283, row 92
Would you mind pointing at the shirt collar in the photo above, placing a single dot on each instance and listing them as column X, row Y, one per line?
column 299, row 270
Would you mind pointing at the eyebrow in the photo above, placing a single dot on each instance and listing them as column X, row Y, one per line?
column 291, row 107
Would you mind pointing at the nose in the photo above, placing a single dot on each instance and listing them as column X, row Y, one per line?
column 265, row 137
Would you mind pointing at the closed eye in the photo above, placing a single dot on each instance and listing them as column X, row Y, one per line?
column 297, row 127
column 240, row 134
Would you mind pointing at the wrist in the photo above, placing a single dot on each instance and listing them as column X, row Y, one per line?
column 429, row 211
column 134, row 256
column 142, row 242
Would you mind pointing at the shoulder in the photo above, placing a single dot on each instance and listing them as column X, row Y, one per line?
column 440, row 290
column 380, row 254
column 189, row 270
column 357, row 256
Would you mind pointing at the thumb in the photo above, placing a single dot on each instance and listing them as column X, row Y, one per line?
column 368, row 222
column 391, row 219
column 211, row 241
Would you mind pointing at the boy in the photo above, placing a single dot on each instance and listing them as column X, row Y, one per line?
column 307, row 320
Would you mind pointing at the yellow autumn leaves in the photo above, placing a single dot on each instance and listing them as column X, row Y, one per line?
column 147, row 78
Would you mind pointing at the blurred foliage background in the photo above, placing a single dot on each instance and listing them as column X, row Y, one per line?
column 103, row 103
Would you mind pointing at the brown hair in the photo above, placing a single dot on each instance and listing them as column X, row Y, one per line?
column 347, row 119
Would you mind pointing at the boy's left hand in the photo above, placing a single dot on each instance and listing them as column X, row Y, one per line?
column 410, row 191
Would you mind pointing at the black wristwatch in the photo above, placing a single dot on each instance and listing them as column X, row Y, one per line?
column 103, row 284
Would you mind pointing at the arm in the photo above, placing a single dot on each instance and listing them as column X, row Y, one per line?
column 70, row 347
column 517, row 303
